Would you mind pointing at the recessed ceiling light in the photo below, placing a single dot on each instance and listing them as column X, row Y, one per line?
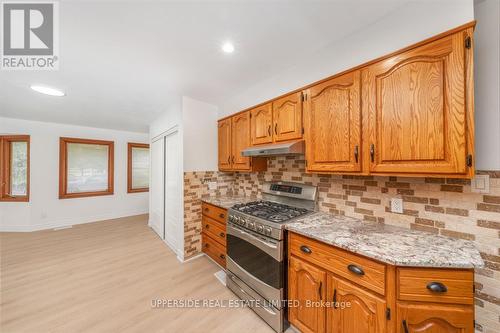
column 228, row 47
column 48, row 91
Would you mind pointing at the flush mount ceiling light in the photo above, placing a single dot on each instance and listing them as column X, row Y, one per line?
column 228, row 47
column 48, row 91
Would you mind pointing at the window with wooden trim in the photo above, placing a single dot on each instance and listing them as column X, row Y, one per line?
column 138, row 167
column 85, row 168
column 15, row 167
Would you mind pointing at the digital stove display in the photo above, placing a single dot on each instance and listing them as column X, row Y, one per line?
column 286, row 188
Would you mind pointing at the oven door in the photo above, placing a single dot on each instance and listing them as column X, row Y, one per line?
column 256, row 260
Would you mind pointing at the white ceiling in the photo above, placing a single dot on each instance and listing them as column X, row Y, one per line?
column 122, row 63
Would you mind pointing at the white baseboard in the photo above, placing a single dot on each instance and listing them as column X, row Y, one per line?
column 182, row 260
column 61, row 223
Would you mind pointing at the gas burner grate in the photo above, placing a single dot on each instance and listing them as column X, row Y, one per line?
column 271, row 211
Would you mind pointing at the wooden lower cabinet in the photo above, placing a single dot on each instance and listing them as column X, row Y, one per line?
column 306, row 285
column 358, row 310
column 434, row 318
column 213, row 237
column 410, row 299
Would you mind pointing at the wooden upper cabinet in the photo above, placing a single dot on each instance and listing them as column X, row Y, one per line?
column 434, row 318
column 333, row 129
column 287, row 118
column 240, row 128
column 306, row 283
column 224, row 142
column 416, row 109
column 261, row 124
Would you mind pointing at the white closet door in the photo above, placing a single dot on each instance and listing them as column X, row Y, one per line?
column 173, row 192
column 157, row 189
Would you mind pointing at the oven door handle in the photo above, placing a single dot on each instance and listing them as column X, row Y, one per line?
column 273, row 250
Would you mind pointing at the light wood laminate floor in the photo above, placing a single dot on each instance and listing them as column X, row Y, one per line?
column 102, row 277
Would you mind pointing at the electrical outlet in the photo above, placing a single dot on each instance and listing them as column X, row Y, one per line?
column 397, row 205
column 480, row 184
column 212, row 185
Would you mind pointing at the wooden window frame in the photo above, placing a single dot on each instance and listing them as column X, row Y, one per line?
column 5, row 156
column 131, row 145
column 63, row 166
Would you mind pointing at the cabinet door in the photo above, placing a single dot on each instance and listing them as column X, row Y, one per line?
column 357, row 310
column 434, row 318
column 261, row 124
column 240, row 140
column 332, row 117
column 224, row 133
column 306, row 285
column 287, row 117
column 415, row 108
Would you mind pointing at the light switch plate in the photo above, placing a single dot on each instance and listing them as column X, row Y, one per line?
column 212, row 185
column 480, row 184
column 397, row 205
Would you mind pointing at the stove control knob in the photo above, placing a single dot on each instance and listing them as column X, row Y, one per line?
column 260, row 228
column 250, row 225
column 231, row 218
column 237, row 219
column 268, row 231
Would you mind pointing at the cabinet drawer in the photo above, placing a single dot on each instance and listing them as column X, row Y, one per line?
column 436, row 285
column 360, row 270
column 214, row 212
column 214, row 250
column 214, row 229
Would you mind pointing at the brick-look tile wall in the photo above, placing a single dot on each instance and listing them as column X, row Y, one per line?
column 441, row 206
column 196, row 187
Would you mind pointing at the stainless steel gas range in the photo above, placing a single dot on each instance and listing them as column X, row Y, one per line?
column 256, row 263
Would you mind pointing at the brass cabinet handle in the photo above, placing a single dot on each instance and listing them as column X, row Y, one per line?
column 207, row 226
column 437, row 287
column 276, row 128
column 356, row 153
column 269, row 130
column 222, row 256
column 206, row 244
column 319, row 289
column 221, row 215
column 207, row 209
column 372, row 152
column 222, row 234
column 356, row 269
column 229, row 160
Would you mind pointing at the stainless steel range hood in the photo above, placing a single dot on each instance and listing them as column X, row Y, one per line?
column 287, row 148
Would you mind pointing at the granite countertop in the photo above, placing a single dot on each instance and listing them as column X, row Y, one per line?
column 227, row 201
column 389, row 244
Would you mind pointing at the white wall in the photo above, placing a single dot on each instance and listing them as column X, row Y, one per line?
column 404, row 26
column 45, row 210
column 168, row 119
column 487, row 84
column 200, row 135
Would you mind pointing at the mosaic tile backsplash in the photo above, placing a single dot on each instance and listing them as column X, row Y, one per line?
column 436, row 205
